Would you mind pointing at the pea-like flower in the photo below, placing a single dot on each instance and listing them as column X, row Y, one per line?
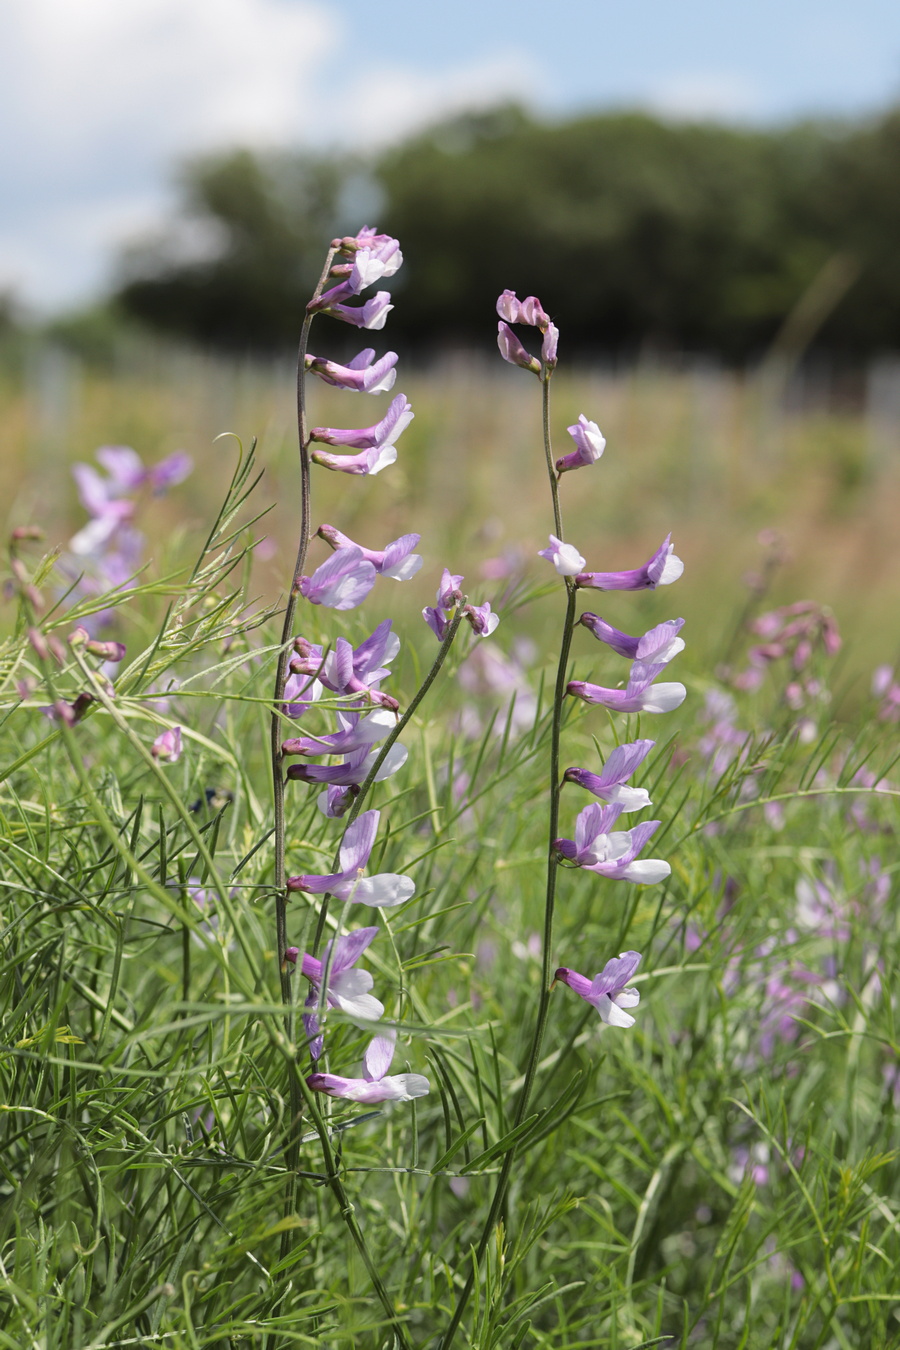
column 589, row 445
column 610, row 783
column 396, row 560
column 363, row 374
column 564, row 557
column 597, row 847
column 608, row 992
column 167, row 747
column 344, row 987
column 639, row 695
column 355, row 734
column 659, row 645
column 351, row 883
column 342, row 582
column 660, row 570
column 376, row 1085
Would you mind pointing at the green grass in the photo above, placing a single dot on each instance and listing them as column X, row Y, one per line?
column 144, row 1064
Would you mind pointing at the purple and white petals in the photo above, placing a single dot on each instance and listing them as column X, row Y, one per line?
column 342, row 582
column 386, row 432
column 362, row 375
column 610, row 785
column 512, row 350
column 564, row 557
column 395, row 560
column 167, row 747
column 608, row 992
column 367, row 462
column 600, row 848
column 589, row 445
column 376, row 1085
column 351, row 884
column 660, row 570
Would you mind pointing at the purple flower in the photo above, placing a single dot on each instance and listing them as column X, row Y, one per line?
column 342, row 582
column 360, row 374
column 382, row 435
column 346, row 670
column 127, row 472
column 512, row 350
column 344, row 987
column 371, row 315
column 660, row 570
column 366, row 462
column 353, row 770
column 529, row 311
column 640, row 694
column 609, row 783
column 549, row 346
column 351, row 883
column 375, row 1085
column 564, row 557
column 356, row 733
column 397, row 560
column 482, row 620
column 167, row 745
column 608, row 991
column 373, row 264
column 336, row 801
column 448, row 596
column 659, row 644
column 589, row 445
column 613, row 853
column 508, row 307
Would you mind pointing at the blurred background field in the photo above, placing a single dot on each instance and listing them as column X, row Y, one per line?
column 797, row 479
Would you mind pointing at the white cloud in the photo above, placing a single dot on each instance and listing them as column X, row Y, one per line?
column 106, row 95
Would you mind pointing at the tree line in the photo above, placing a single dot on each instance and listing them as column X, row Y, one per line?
column 637, row 234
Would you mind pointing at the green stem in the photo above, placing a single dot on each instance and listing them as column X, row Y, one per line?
column 389, row 741
column 547, row 964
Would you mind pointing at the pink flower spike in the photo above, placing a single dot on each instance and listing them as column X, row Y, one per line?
column 564, row 557
column 167, row 746
column 512, row 350
column 660, row 570
column 342, row 582
column 589, row 445
column 360, row 375
column 608, row 991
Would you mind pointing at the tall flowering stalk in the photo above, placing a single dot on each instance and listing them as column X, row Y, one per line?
column 598, row 847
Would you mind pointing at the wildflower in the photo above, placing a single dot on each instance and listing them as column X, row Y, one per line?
column 336, row 800
column 367, row 462
column 660, row 570
column 167, row 746
column 564, row 557
column 396, row 560
column 549, row 347
column 353, row 770
column 342, row 582
column 344, row 987
column 375, row 1085
column 355, row 733
column 659, row 644
column 127, row 472
column 383, row 433
column 613, row 853
column 372, row 264
column 639, row 695
column 448, row 596
column 609, row 784
column 608, row 991
column 371, row 315
column 363, row 374
column 512, row 350
column 589, row 445
column 481, row 619
column 348, row 670
column 351, row 883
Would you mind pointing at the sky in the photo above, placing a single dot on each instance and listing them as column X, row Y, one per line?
column 101, row 99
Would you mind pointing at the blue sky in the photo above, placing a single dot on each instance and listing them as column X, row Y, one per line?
column 101, row 98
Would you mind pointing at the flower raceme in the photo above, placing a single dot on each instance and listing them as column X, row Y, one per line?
column 597, row 847
column 608, row 992
column 376, row 1085
column 660, row 570
column 337, row 984
column 531, row 312
column 351, row 883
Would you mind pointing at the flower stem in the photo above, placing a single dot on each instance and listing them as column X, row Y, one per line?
column 281, row 672
column 547, row 963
